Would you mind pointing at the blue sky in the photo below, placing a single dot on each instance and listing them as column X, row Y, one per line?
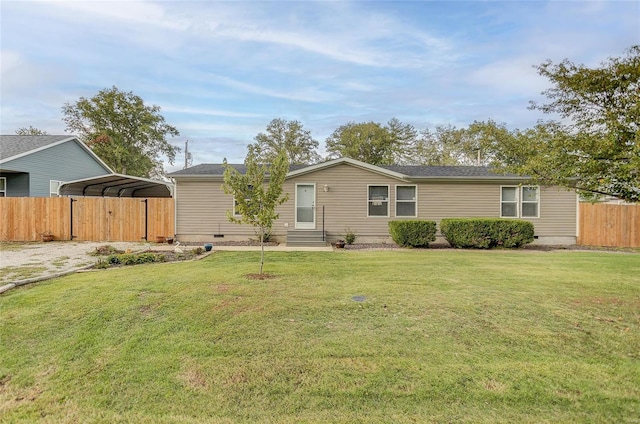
column 221, row 71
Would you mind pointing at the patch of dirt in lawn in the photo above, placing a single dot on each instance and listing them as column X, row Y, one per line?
column 260, row 276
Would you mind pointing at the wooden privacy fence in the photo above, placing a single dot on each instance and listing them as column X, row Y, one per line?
column 86, row 218
column 602, row 224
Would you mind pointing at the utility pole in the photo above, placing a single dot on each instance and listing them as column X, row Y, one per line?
column 187, row 155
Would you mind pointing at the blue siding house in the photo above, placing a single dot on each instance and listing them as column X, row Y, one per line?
column 34, row 166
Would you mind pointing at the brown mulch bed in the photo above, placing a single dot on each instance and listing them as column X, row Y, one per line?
column 530, row 247
column 234, row 243
column 432, row 246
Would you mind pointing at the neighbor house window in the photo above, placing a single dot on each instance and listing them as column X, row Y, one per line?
column 53, row 188
column 378, row 204
column 518, row 202
column 406, row 201
column 3, row 187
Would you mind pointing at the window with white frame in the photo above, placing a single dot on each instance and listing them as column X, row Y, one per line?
column 378, row 203
column 530, row 202
column 3, row 187
column 235, row 203
column 53, row 188
column 406, row 201
column 520, row 202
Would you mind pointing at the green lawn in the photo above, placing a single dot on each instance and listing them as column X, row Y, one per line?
column 442, row 336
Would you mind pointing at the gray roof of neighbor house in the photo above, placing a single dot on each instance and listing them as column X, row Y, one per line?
column 17, row 145
column 399, row 171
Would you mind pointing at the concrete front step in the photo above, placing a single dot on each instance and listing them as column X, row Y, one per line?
column 308, row 238
column 307, row 243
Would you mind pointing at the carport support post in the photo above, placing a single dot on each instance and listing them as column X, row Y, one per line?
column 71, row 236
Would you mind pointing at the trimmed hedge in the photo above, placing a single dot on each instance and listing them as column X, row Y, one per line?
column 485, row 233
column 413, row 233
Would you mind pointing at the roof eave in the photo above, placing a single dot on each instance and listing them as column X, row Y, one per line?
column 467, row 178
column 349, row 161
column 57, row 143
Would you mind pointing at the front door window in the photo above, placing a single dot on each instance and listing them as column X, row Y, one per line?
column 305, row 206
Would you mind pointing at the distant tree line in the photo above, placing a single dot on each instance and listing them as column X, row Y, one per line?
column 595, row 148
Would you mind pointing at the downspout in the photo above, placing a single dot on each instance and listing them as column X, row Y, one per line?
column 173, row 190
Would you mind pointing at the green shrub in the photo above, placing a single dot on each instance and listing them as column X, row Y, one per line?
column 102, row 264
column 144, row 258
column 105, row 250
column 349, row 236
column 413, row 233
column 485, row 233
column 135, row 258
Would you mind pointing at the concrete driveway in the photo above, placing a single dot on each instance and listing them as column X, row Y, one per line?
column 27, row 261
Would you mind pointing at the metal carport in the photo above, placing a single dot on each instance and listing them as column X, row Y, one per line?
column 116, row 185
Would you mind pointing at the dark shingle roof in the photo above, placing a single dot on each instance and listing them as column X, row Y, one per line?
column 442, row 171
column 411, row 171
column 218, row 169
column 14, row 145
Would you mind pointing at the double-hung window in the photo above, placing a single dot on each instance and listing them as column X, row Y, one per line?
column 378, row 203
column 3, row 187
column 236, row 212
column 406, row 201
column 520, row 202
column 530, row 203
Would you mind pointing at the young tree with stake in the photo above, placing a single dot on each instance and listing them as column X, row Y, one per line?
column 257, row 193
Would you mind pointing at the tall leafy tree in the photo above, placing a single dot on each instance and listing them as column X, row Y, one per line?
column 447, row 145
column 404, row 142
column 289, row 136
column 120, row 128
column 30, row 131
column 257, row 193
column 596, row 146
column 370, row 142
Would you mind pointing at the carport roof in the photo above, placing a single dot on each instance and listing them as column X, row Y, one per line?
column 116, row 185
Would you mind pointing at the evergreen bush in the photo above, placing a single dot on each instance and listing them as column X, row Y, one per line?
column 485, row 233
column 413, row 233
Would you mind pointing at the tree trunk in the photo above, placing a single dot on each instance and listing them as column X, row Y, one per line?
column 261, row 249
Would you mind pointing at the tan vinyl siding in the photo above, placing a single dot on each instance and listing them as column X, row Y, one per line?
column 482, row 200
column 202, row 205
column 558, row 213
column 345, row 203
column 201, row 209
column 439, row 200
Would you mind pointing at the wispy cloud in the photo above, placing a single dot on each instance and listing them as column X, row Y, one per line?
column 222, row 70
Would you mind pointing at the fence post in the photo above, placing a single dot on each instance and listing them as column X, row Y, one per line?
column 146, row 219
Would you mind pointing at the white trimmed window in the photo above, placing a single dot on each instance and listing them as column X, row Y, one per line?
column 406, row 201
column 378, row 203
column 53, row 188
column 520, row 202
column 235, row 203
column 3, row 187
column 529, row 207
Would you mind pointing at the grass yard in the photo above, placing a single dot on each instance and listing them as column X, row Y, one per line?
column 441, row 336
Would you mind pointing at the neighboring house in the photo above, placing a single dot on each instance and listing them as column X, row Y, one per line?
column 35, row 166
column 342, row 194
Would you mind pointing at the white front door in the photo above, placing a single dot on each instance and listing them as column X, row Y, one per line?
column 306, row 206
